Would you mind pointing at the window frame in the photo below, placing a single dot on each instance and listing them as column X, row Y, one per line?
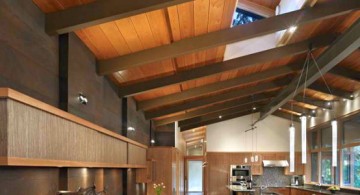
column 341, row 146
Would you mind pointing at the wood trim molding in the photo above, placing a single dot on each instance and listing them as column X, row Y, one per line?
column 17, row 96
column 255, row 8
column 15, row 161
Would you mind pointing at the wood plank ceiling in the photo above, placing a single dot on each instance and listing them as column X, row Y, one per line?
column 165, row 26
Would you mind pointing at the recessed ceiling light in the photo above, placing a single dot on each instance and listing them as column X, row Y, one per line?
column 131, row 129
column 292, row 29
column 220, row 116
column 152, row 141
column 254, row 108
column 352, row 95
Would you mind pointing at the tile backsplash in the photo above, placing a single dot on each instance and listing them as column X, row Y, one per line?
column 272, row 177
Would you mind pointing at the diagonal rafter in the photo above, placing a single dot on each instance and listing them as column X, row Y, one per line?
column 98, row 12
column 218, row 98
column 328, row 9
column 233, row 64
column 339, row 50
column 215, row 108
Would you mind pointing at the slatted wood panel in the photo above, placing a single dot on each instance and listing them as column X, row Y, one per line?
column 136, row 155
column 36, row 134
column 3, row 127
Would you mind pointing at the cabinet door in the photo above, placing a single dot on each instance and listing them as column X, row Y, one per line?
column 218, row 169
column 281, row 191
column 256, row 169
column 236, row 158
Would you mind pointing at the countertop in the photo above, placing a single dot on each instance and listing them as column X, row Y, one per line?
column 322, row 191
column 237, row 188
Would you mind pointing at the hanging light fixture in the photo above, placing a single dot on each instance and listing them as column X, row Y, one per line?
column 303, row 120
column 334, row 127
column 292, row 147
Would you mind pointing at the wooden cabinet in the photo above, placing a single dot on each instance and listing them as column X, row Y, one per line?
column 281, row 191
column 168, row 169
column 303, row 192
column 146, row 175
column 218, row 169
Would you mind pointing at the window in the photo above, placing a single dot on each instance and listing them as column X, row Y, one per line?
column 314, row 140
column 244, row 17
column 314, row 167
column 352, row 131
column 326, row 176
column 346, row 169
column 351, row 166
column 326, row 137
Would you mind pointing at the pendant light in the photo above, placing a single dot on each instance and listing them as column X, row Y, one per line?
column 303, row 120
column 334, row 127
column 292, row 148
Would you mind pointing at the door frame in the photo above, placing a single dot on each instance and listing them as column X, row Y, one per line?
column 193, row 158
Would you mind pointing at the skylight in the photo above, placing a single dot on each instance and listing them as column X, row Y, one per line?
column 244, row 17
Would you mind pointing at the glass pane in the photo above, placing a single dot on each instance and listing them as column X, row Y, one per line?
column 326, row 137
column 195, row 176
column 314, row 142
column 326, row 176
column 314, row 167
column 195, row 151
column 346, row 169
column 356, row 153
column 352, row 130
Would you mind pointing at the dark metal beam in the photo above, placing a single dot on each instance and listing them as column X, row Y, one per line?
column 219, row 114
column 339, row 50
column 224, row 118
column 243, row 32
column 217, row 98
column 215, row 108
column 334, row 91
column 64, row 72
column 233, row 64
column 206, row 89
column 98, row 12
column 346, row 73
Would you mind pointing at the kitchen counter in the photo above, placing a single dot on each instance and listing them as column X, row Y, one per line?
column 236, row 188
column 322, row 191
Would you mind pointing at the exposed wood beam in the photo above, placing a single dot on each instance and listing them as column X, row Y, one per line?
column 334, row 91
column 98, row 12
column 328, row 9
column 311, row 101
column 255, row 8
column 216, row 115
column 346, row 73
column 286, row 115
column 339, row 50
column 206, row 89
column 297, row 109
column 198, row 138
column 215, row 108
column 233, row 64
column 209, row 122
column 217, row 98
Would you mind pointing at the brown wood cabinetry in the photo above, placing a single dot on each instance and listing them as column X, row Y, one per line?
column 299, row 167
column 281, row 191
column 167, row 169
column 218, row 169
column 146, row 175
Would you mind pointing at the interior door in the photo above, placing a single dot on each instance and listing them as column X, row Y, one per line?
column 194, row 185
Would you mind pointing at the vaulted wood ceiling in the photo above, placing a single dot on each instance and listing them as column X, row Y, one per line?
column 172, row 24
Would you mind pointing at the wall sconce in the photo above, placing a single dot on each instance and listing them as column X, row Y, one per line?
column 83, row 99
column 131, row 129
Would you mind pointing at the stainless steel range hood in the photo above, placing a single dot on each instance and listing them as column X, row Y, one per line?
column 275, row 163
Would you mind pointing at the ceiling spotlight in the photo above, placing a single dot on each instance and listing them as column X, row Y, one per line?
column 254, row 108
column 344, row 100
column 352, row 96
column 313, row 111
column 279, row 108
column 82, row 99
column 220, row 117
column 131, row 129
column 292, row 29
column 202, row 141
column 323, row 109
column 152, row 141
column 328, row 103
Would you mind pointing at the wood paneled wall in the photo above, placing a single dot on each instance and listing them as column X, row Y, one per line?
column 3, row 126
column 28, row 56
column 136, row 155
